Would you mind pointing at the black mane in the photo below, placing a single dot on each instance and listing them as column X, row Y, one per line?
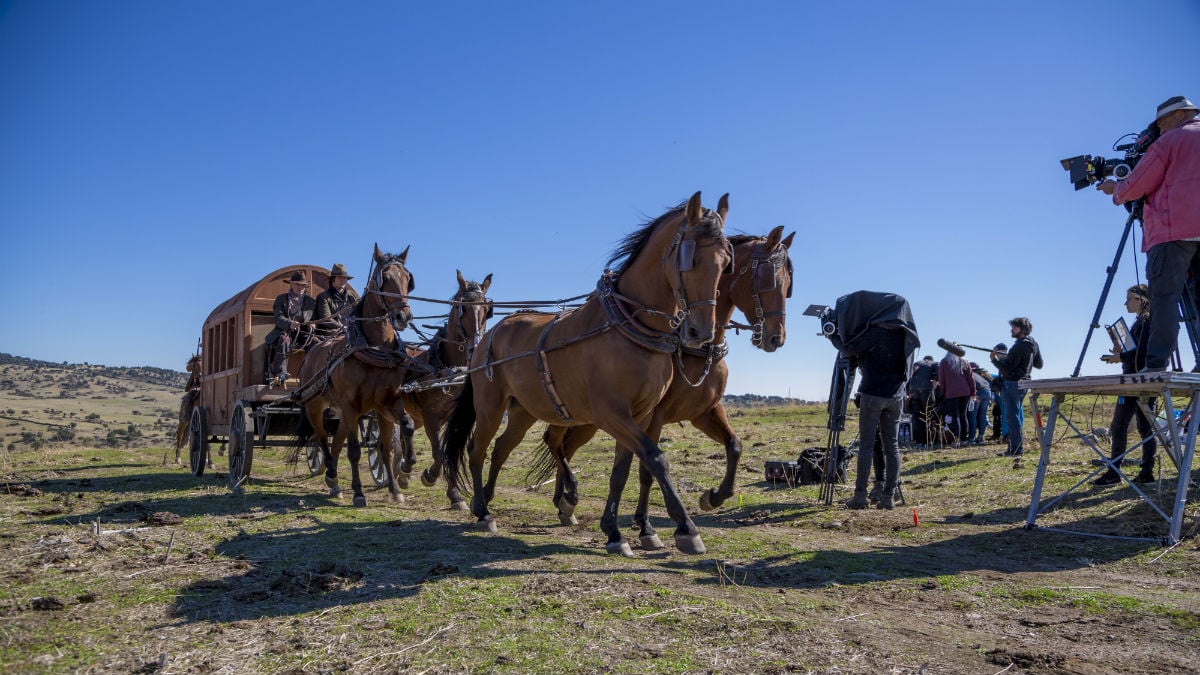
column 633, row 243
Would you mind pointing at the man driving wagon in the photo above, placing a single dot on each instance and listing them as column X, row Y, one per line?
column 293, row 312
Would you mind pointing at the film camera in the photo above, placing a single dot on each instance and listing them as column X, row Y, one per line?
column 1086, row 169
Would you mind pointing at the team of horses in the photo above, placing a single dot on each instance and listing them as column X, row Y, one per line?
column 645, row 349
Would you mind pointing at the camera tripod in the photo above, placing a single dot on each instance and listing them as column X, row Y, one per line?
column 1187, row 304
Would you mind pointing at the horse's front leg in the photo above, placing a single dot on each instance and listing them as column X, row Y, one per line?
column 641, row 515
column 354, row 454
column 616, row 485
column 400, row 463
column 716, row 426
column 390, row 431
column 332, row 451
column 564, row 444
column 687, row 537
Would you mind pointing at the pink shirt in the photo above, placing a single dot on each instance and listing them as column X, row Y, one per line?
column 1168, row 175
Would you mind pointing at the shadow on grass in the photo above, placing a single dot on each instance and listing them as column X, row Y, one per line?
column 337, row 564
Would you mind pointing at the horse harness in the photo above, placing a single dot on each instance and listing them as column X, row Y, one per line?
column 777, row 258
column 621, row 313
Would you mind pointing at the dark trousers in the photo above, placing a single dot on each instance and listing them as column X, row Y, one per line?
column 1126, row 411
column 1168, row 266
column 956, row 410
column 878, row 414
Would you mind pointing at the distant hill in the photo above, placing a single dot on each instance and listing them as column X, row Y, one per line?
column 147, row 374
column 84, row 404
column 758, row 401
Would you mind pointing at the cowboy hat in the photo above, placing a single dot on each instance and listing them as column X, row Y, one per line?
column 339, row 270
column 298, row 278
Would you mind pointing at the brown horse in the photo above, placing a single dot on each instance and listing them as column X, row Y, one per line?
column 607, row 363
column 354, row 379
column 450, row 347
column 759, row 287
column 191, row 392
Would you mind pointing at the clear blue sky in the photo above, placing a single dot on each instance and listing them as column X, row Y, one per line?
column 157, row 157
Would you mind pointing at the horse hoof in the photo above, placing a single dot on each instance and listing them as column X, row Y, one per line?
column 458, row 506
column 335, row 492
column 331, row 483
column 565, row 508
column 395, row 497
column 689, row 543
column 402, row 479
column 621, row 547
column 651, row 542
column 488, row 525
column 360, row 500
column 706, row 503
column 426, row 480
column 567, row 519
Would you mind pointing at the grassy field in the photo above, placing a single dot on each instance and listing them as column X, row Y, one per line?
column 116, row 563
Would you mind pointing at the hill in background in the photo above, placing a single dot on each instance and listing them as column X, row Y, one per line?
column 84, row 404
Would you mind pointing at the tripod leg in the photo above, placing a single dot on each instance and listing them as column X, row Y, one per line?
column 1187, row 312
column 1112, row 270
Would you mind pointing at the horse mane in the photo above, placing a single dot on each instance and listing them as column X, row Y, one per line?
column 633, row 243
column 739, row 239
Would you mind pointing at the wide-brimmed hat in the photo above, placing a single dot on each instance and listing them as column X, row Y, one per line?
column 298, row 278
column 339, row 270
column 1171, row 105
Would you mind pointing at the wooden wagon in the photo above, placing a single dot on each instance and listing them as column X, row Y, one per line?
column 236, row 407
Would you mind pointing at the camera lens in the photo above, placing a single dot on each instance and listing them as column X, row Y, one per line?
column 1121, row 171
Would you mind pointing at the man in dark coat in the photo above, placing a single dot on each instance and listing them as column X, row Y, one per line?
column 334, row 305
column 292, row 311
column 1016, row 365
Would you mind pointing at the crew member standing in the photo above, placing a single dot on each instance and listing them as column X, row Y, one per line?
column 1137, row 301
column 1016, row 365
column 1168, row 176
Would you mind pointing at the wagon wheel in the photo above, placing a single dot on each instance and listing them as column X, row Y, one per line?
column 315, row 457
column 368, row 436
column 241, row 448
column 198, row 441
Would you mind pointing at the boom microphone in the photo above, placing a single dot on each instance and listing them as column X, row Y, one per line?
column 956, row 348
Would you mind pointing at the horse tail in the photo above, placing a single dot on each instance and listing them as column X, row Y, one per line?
column 456, row 433
column 303, row 436
column 545, row 464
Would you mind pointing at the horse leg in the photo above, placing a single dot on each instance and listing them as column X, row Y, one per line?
column 687, row 537
column 715, row 425
column 519, row 422
column 391, row 431
column 354, row 454
column 616, row 485
column 487, row 422
column 564, row 444
column 641, row 518
column 404, row 430
column 316, row 419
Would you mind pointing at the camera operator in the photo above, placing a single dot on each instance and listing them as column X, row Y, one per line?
column 1168, row 176
column 882, row 356
column 1016, row 365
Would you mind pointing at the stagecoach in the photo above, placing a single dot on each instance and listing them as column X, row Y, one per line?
column 237, row 409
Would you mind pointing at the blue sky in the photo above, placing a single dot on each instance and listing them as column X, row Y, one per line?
column 158, row 157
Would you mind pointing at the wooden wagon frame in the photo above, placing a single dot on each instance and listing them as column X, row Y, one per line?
column 236, row 408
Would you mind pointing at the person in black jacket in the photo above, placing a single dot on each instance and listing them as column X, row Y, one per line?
column 1017, row 365
column 1137, row 301
column 292, row 310
column 885, row 365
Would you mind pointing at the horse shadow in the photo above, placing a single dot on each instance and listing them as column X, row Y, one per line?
column 323, row 565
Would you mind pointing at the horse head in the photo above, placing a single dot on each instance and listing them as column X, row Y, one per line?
column 469, row 312
column 389, row 287
column 761, row 286
column 694, row 264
